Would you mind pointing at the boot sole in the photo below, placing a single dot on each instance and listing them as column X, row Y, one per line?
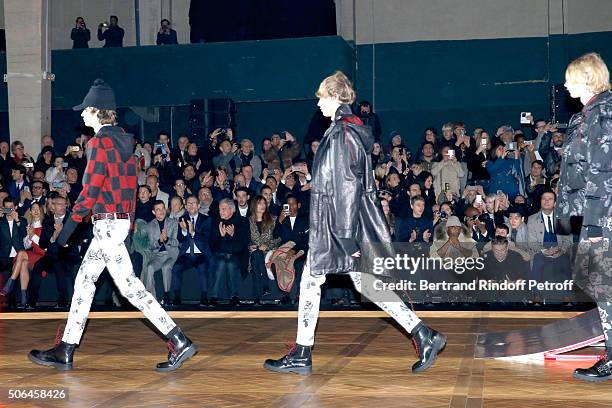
column 190, row 352
column 58, row 366
column 592, row 379
column 439, row 344
column 296, row 370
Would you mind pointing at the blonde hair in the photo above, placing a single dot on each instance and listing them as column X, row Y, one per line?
column 590, row 70
column 337, row 85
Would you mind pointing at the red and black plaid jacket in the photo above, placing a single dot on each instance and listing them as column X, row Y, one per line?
column 110, row 179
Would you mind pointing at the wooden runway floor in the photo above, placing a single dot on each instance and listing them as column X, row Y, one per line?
column 358, row 362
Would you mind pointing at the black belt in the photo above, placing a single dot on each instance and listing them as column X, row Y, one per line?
column 111, row 216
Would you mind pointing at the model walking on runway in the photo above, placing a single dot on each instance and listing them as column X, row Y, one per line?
column 109, row 192
column 344, row 214
column 585, row 190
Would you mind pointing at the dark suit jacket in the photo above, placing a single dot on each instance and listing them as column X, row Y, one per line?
column 299, row 233
column 13, row 191
column 236, row 244
column 201, row 236
column 53, row 249
column 7, row 241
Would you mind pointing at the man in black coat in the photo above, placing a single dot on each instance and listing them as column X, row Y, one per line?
column 344, row 213
column 58, row 260
column 230, row 240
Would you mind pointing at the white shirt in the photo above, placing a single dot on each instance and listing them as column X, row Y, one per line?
column 13, row 252
column 292, row 220
column 194, row 219
column 548, row 222
column 243, row 211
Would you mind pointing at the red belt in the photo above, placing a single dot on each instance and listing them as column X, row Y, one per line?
column 111, row 216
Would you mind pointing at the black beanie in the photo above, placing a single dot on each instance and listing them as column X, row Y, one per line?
column 100, row 96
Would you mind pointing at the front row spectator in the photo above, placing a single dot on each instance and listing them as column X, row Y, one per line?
column 12, row 250
column 230, row 240
column 262, row 241
column 194, row 251
column 163, row 243
column 58, row 260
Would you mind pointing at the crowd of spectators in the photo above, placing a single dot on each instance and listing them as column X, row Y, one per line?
column 238, row 215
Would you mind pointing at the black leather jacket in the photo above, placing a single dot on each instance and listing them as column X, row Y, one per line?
column 345, row 212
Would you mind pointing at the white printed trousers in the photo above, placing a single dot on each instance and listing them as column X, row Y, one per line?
column 108, row 250
column 310, row 300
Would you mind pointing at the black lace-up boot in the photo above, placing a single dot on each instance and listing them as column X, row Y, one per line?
column 428, row 344
column 298, row 360
column 59, row 356
column 180, row 349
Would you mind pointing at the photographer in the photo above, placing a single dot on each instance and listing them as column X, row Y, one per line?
column 74, row 157
column 369, row 118
column 286, row 147
column 111, row 34
column 551, row 149
column 166, row 35
column 447, row 175
column 80, row 34
column 505, row 169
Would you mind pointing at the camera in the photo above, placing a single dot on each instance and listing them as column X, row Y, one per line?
column 451, row 153
column 6, row 210
column 443, row 215
column 28, row 165
column 484, row 217
column 65, row 165
column 57, row 184
column 286, row 208
column 511, row 146
column 74, row 148
column 525, row 118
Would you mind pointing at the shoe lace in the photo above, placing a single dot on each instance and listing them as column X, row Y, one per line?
column 290, row 346
column 59, row 333
column 416, row 346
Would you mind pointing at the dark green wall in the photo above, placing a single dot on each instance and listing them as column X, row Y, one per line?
column 482, row 82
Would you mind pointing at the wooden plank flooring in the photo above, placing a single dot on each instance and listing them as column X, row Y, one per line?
column 358, row 362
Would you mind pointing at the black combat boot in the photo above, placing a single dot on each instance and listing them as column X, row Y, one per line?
column 600, row 371
column 59, row 356
column 428, row 344
column 181, row 349
column 298, row 360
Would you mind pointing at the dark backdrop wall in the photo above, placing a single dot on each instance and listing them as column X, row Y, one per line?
column 236, row 20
